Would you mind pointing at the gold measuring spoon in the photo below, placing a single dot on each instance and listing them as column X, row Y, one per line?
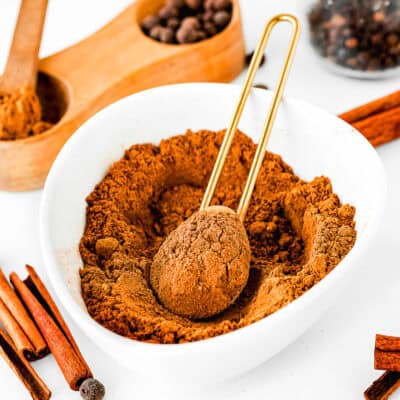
column 203, row 265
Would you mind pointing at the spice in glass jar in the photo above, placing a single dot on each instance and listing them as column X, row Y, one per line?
column 361, row 35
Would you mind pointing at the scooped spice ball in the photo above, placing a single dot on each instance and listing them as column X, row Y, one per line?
column 188, row 21
column 202, row 266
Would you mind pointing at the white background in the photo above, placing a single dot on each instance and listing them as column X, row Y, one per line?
column 334, row 359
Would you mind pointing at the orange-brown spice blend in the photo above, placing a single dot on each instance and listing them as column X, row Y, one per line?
column 298, row 232
column 21, row 115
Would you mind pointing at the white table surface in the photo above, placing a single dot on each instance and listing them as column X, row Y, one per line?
column 334, row 359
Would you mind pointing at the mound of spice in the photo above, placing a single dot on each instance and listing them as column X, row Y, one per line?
column 188, row 21
column 359, row 35
column 298, row 232
column 21, row 115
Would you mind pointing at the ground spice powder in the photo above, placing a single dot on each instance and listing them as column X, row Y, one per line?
column 298, row 232
column 21, row 115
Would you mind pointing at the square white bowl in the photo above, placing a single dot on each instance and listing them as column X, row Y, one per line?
column 311, row 140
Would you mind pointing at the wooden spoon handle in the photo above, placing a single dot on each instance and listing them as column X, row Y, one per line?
column 23, row 60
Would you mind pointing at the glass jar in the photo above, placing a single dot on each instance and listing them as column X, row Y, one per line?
column 360, row 38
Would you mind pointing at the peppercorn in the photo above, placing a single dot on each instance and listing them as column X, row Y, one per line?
column 185, row 35
column 175, row 3
column 194, row 4
column 168, row 11
column 173, row 23
column 167, row 35
column 220, row 5
column 221, row 18
column 190, row 23
column 150, row 22
column 92, row 389
column 155, row 32
column 250, row 56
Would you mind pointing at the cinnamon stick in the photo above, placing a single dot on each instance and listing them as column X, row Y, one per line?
column 379, row 120
column 373, row 108
column 16, row 333
column 380, row 128
column 24, row 371
column 383, row 387
column 38, row 288
column 74, row 370
column 387, row 343
column 387, row 360
column 387, row 353
column 10, row 300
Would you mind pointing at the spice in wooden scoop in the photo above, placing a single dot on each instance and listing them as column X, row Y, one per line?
column 21, row 114
column 202, row 266
column 20, row 109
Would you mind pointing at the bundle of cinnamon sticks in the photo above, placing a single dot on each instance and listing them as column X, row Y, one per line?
column 33, row 327
column 379, row 120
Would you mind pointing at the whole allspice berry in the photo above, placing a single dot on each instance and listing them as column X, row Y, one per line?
column 188, row 31
column 210, row 28
column 202, row 266
column 155, row 32
column 219, row 5
column 209, row 5
column 175, row 3
column 190, row 23
column 173, row 23
column 150, row 22
column 167, row 35
column 194, row 4
column 92, row 389
column 168, row 11
column 221, row 19
column 186, row 35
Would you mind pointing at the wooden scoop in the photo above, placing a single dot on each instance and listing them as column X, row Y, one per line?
column 22, row 64
column 116, row 61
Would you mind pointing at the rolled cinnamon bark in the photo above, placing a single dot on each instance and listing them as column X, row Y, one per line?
column 372, row 108
column 72, row 367
column 16, row 333
column 38, row 288
column 379, row 120
column 36, row 387
column 13, row 304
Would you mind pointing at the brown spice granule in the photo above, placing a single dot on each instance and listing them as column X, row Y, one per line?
column 21, row 115
column 298, row 232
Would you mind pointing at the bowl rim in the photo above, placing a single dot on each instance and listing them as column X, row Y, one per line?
column 85, row 321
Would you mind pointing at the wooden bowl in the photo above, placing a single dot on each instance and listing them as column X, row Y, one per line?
column 114, row 62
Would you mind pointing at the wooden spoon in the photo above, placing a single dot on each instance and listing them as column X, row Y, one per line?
column 22, row 64
column 116, row 61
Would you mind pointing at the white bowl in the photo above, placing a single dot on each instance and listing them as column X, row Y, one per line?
column 312, row 141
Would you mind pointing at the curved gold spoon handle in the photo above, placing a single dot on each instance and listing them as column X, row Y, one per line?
column 228, row 138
